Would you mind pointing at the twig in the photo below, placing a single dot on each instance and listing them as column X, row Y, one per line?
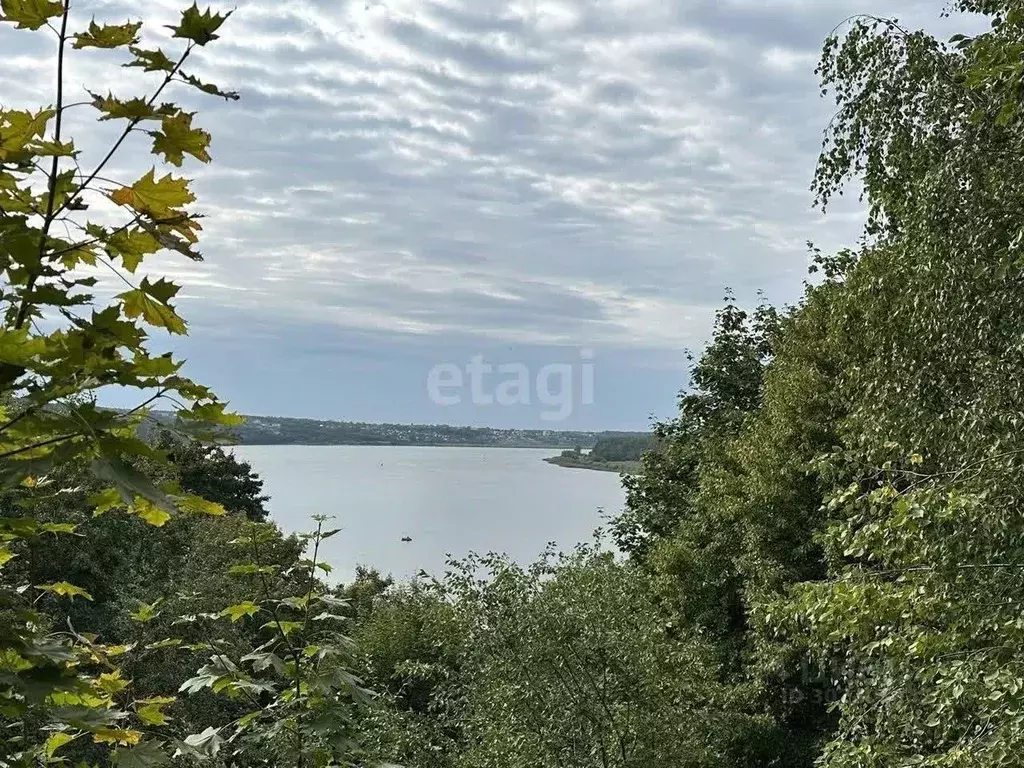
column 54, row 168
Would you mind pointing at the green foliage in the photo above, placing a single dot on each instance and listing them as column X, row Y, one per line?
column 291, row 677
column 917, row 616
column 563, row 663
column 836, row 509
column 567, row 663
column 625, row 448
column 109, row 544
column 411, row 643
column 726, row 386
column 209, row 472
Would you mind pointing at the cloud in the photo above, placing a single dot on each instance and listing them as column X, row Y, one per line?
column 538, row 172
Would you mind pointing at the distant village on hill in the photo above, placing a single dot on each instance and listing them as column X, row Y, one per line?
column 277, row 430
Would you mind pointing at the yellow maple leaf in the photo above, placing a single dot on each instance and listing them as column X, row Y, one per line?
column 159, row 198
column 122, row 736
column 149, row 512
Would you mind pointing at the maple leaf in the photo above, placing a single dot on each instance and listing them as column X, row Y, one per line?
column 177, row 137
column 58, row 528
column 167, row 239
column 105, row 500
column 145, row 613
column 122, row 736
column 150, row 711
column 150, row 60
column 187, row 226
column 197, row 505
column 199, row 27
column 148, row 754
column 56, row 741
column 149, row 301
column 239, row 611
column 64, row 589
column 108, row 35
column 149, row 512
column 158, row 367
column 209, row 88
column 30, row 14
column 213, row 413
column 136, row 109
column 54, row 148
column 18, row 128
column 157, row 198
column 131, row 246
column 162, row 290
column 111, row 682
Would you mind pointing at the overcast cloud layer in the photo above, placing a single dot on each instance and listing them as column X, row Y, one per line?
column 410, row 182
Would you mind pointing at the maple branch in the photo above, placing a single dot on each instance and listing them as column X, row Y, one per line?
column 19, row 321
column 43, row 444
column 85, row 243
column 132, row 123
column 27, row 412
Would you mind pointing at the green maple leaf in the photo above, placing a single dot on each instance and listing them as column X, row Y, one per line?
column 148, row 754
column 111, row 682
column 56, row 741
column 18, row 128
column 169, row 642
column 139, row 303
column 145, row 613
column 131, row 246
column 20, row 347
column 136, row 109
column 149, row 512
column 157, row 198
column 285, row 627
column 199, row 27
column 120, row 736
column 197, row 505
column 241, row 610
column 150, row 711
column 166, row 238
column 162, row 290
column 58, row 528
column 30, row 14
column 105, row 500
column 54, row 148
column 156, row 367
column 128, row 482
column 108, row 35
column 177, row 137
column 214, row 413
column 209, row 88
column 150, row 60
column 64, row 589
column 6, row 555
column 152, row 715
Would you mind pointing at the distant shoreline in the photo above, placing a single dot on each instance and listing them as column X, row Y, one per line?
column 401, row 445
column 279, row 430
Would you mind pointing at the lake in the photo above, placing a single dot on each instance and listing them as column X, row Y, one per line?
column 447, row 500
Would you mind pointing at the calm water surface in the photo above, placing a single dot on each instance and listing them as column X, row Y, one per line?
column 448, row 500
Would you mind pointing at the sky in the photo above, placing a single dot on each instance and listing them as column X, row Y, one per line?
column 542, row 185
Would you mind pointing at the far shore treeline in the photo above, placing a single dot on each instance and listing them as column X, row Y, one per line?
column 611, row 453
column 278, row 430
